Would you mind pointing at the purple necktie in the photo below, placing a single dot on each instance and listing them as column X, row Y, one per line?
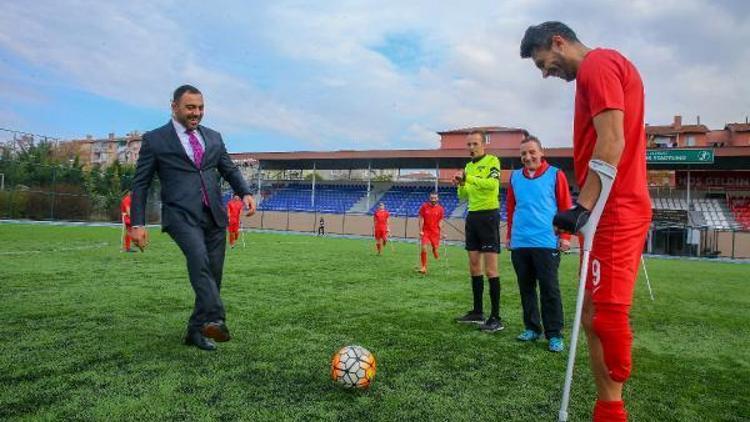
column 195, row 144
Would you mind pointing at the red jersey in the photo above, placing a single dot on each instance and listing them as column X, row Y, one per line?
column 234, row 209
column 431, row 215
column 124, row 209
column 381, row 218
column 606, row 80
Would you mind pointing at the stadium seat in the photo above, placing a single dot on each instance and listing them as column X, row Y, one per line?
column 328, row 198
column 404, row 201
column 740, row 208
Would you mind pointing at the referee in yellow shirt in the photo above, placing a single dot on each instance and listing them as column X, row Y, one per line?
column 479, row 184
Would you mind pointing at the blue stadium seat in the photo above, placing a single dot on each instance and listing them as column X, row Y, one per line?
column 328, row 198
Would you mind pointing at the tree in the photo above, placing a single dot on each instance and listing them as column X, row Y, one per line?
column 382, row 178
column 309, row 176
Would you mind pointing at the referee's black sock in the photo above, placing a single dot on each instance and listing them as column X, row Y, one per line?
column 495, row 296
column 477, row 288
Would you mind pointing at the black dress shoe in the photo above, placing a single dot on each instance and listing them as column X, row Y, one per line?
column 216, row 330
column 196, row 339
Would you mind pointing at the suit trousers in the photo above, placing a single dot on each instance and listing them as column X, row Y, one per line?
column 532, row 264
column 204, row 246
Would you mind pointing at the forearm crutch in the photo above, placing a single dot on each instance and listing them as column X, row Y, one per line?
column 242, row 234
column 606, row 173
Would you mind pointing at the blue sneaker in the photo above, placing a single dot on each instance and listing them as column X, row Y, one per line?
column 556, row 344
column 528, row 335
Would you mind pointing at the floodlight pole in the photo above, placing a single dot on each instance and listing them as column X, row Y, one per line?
column 437, row 174
column 688, row 188
column 312, row 197
column 369, row 170
column 257, row 194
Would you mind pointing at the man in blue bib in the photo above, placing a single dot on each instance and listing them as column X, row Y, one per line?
column 535, row 194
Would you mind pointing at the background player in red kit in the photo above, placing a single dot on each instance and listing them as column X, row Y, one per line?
column 380, row 227
column 234, row 209
column 125, row 220
column 430, row 226
column 608, row 126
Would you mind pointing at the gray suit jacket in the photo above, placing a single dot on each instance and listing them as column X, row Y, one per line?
column 162, row 153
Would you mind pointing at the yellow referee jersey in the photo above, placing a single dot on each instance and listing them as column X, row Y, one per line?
column 482, row 185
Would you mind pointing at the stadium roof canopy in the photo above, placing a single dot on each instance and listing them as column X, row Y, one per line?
column 389, row 159
column 487, row 129
column 725, row 158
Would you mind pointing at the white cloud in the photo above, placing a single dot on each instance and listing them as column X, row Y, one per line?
column 323, row 83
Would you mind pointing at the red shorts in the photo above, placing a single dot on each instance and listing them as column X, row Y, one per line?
column 381, row 233
column 234, row 227
column 431, row 238
column 614, row 259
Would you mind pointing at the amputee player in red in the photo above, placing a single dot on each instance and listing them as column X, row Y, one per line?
column 125, row 220
column 380, row 227
column 234, row 209
column 608, row 126
column 430, row 227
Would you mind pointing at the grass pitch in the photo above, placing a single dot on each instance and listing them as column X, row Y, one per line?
column 91, row 333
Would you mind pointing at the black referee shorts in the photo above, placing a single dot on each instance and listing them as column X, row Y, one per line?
column 482, row 230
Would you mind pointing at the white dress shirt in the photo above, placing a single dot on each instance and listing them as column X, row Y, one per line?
column 185, row 139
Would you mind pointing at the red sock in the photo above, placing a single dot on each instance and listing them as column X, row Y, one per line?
column 423, row 258
column 435, row 253
column 127, row 241
column 377, row 245
column 610, row 411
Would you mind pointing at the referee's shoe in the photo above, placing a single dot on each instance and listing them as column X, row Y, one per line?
column 471, row 317
column 492, row 325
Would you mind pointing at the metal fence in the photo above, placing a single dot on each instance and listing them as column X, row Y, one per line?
column 63, row 193
column 57, row 204
column 691, row 241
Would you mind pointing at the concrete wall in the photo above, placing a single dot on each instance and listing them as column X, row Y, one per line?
column 453, row 228
column 346, row 224
column 361, row 225
column 740, row 240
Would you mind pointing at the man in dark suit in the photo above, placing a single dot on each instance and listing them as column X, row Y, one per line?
column 189, row 159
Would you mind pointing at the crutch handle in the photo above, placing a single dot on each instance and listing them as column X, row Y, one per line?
column 607, row 173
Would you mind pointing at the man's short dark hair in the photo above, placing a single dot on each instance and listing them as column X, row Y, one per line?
column 480, row 132
column 180, row 91
column 540, row 36
column 532, row 138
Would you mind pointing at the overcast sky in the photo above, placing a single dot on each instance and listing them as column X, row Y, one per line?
column 293, row 75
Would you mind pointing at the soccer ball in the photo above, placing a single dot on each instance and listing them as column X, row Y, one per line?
column 353, row 367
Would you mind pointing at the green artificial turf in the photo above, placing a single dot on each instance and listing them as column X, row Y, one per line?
column 91, row 333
